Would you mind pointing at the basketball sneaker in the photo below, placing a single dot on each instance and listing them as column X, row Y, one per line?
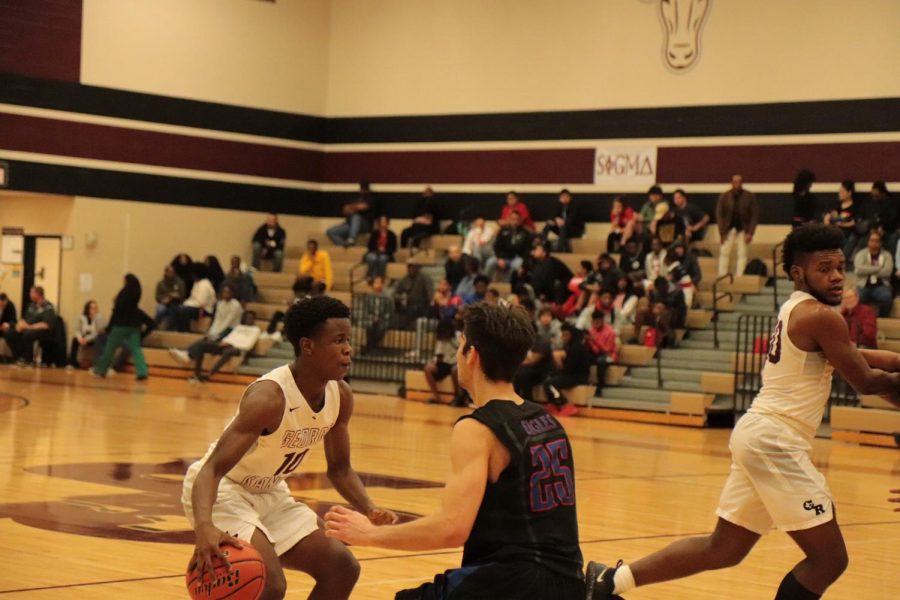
column 598, row 581
column 180, row 356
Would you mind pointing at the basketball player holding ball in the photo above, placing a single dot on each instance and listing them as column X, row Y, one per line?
column 238, row 489
column 773, row 482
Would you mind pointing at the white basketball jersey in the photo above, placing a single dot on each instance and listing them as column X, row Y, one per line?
column 795, row 384
column 275, row 456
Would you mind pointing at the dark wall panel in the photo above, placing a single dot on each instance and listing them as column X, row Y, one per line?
column 41, row 38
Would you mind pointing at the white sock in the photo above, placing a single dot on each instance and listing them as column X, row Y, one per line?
column 623, row 580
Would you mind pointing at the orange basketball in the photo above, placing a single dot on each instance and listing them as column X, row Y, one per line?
column 245, row 580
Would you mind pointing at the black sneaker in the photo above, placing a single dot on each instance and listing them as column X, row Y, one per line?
column 598, row 581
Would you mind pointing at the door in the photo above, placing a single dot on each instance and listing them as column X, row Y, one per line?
column 43, row 267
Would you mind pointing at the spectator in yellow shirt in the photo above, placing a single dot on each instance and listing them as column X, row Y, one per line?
column 316, row 263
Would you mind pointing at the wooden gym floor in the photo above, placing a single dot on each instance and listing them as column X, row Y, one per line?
column 90, row 476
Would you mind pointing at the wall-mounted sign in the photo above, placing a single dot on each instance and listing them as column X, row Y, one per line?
column 682, row 23
column 625, row 167
column 12, row 246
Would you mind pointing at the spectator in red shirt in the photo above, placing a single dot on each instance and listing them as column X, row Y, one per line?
column 382, row 246
column 861, row 319
column 601, row 341
column 621, row 219
column 514, row 205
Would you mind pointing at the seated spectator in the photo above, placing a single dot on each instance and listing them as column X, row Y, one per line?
column 624, row 304
column 358, row 214
column 510, row 248
column 683, row 271
column 445, row 303
column 567, row 224
column 90, row 325
column 535, row 369
column 479, row 242
column 514, row 205
column 316, row 264
column 214, row 268
column 621, row 219
column 573, row 288
column 425, row 221
column 649, row 210
column 549, row 328
column 573, row 365
column 170, row 293
column 125, row 327
column 548, row 274
column 240, row 281
column 861, row 320
column 605, row 276
column 603, row 345
column 660, row 314
column 633, row 260
column 227, row 316
column 601, row 301
column 873, row 268
column 376, row 310
column 845, row 216
column 668, row 227
column 479, row 290
column 239, row 341
column 466, row 286
column 455, row 266
column 695, row 218
column 8, row 315
column 268, row 243
column 34, row 326
column 443, row 364
column 413, row 293
column 201, row 302
column 302, row 289
column 184, row 269
column 655, row 262
column 885, row 215
column 382, row 246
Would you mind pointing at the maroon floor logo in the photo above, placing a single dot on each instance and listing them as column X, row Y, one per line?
column 149, row 505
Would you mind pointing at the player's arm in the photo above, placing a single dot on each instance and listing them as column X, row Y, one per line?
column 261, row 411
column 829, row 331
column 881, row 359
column 340, row 472
column 449, row 527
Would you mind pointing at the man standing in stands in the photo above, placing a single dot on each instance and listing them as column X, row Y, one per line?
column 737, row 215
column 268, row 243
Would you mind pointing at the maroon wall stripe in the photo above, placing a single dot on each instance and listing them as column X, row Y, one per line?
column 41, row 38
column 102, row 142
column 864, row 161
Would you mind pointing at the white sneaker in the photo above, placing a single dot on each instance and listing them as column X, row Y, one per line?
column 275, row 337
column 180, row 356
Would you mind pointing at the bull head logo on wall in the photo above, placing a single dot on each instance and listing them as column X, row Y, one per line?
column 682, row 22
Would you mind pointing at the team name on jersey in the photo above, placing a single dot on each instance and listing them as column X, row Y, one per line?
column 301, row 438
column 541, row 424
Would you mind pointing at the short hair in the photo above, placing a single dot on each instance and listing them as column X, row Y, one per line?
column 503, row 335
column 587, row 265
column 598, row 314
column 881, row 187
column 812, row 237
column 565, row 191
column 305, row 318
column 39, row 289
column 481, row 279
column 3, row 297
column 545, row 311
column 313, row 242
column 654, row 189
column 680, row 191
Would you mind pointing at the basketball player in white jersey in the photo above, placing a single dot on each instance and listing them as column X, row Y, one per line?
column 238, row 489
column 773, row 483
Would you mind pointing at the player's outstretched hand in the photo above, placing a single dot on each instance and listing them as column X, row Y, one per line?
column 207, row 550
column 383, row 516
column 348, row 526
column 896, row 498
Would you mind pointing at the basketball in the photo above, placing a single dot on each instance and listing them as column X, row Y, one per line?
column 245, row 580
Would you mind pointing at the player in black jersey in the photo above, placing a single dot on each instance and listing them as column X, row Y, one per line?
column 510, row 495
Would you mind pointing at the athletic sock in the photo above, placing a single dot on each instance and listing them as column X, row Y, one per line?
column 623, row 580
column 791, row 589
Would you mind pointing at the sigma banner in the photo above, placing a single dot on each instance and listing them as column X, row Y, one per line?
column 625, row 167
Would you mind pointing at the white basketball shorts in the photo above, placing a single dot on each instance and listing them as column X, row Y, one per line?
column 773, row 483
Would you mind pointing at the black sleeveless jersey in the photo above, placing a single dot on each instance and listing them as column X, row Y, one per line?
column 527, row 515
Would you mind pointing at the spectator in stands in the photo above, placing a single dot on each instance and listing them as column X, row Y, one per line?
column 573, row 364
column 87, row 333
column 683, row 271
column 492, row 296
column 567, row 224
column 240, row 281
column 479, row 242
column 624, row 304
column 535, row 369
column 846, row 215
column 227, row 316
column 376, row 310
column 605, row 276
column 240, row 340
column 35, row 326
column 214, row 269
column 413, row 293
column 170, row 292
column 455, row 266
column 510, row 248
column 515, row 205
column 316, row 264
column 885, row 215
column 479, row 290
column 268, row 243
column 873, row 267
column 737, row 214
column 125, row 327
column 806, row 209
column 573, row 289
column 184, row 269
column 861, row 320
column 445, row 303
column 601, row 301
column 632, row 261
column 549, row 328
column 621, row 219
column 443, row 364
column 382, row 246
column 603, row 345
column 302, row 289
column 201, row 302
column 669, row 227
column 425, row 221
column 358, row 217
column 695, row 218
column 649, row 210
column 549, row 275
column 8, row 315
column 663, row 313
column 466, row 286
column 654, row 262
